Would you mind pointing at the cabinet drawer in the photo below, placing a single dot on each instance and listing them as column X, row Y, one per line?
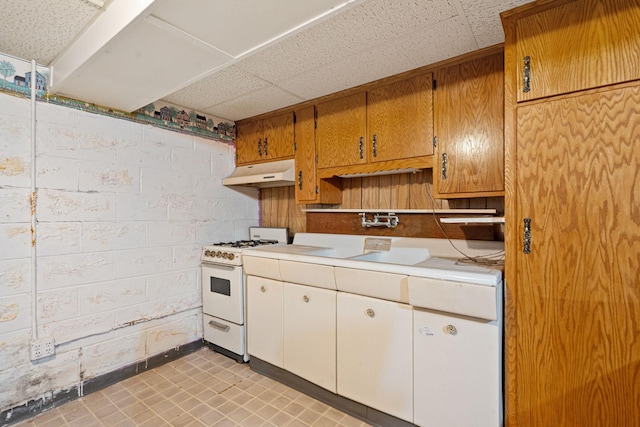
column 454, row 297
column 261, row 267
column 317, row 275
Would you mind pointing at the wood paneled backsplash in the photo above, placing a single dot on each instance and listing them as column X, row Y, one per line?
column 402, row 191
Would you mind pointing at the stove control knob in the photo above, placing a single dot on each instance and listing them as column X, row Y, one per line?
column 207, row 253
column 218, row 254
column 231, row 256
column 225, row 255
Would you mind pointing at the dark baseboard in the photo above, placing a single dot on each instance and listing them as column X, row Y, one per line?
column 355, row 409
column 37, row 406
column 230, row 354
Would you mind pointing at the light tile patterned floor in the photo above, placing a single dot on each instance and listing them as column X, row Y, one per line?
column 201, row 389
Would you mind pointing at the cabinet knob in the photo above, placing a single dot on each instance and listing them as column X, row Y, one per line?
column 369, row 312
column 266, row 146
column 305, row 298
column 260, row 147
column 263, row 289
column 450, row 330
column 361, row 148
column 300, row 180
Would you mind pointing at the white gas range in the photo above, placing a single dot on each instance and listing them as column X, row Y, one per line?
column 223, row 290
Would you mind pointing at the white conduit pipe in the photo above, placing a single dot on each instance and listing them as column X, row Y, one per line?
column 34, row 288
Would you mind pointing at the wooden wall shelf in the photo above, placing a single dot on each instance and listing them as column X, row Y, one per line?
column 409, row 211
column 412, row 223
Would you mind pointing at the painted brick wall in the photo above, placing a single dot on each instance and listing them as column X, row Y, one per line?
column 123, row 211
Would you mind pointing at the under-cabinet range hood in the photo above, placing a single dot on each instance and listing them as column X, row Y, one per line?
column 263, row 175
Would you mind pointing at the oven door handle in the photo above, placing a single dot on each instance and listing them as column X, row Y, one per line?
column 220, row 326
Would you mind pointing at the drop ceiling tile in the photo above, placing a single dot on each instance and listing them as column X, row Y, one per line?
column 445, row 40
column 41, row 29
column 241, row 25
column 131, row 75
column 227, row 84
column 484, row 18
column 258, row 102
column 362, row 27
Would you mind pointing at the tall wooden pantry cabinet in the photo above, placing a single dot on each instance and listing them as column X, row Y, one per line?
column 572, row 199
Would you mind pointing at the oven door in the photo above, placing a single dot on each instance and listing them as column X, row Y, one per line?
column 222, row 292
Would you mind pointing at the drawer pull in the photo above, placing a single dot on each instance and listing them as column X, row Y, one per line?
column 450, row 330
column 305, row 298
column 370, row 313
column 219, row 326
column 263, row 289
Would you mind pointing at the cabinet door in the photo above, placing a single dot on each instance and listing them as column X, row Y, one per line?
column 375, row 354
column 310, row 189
column 400, row 120
column 579, row 45
column 305, row 152
column 278, row 137
column 469, row 104
column 249, row 140
column 341, row 132
column 264, row 320
column 577, row 309
column 457, row 370
column 310, row 334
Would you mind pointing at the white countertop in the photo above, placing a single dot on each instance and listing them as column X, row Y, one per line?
column 441, row 261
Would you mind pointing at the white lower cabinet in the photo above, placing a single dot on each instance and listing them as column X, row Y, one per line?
column 457, row 370
column 310, row 334
column 265, row 336
column 375, row 353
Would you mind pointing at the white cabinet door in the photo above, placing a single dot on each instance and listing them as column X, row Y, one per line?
column 457, row 371
column 264, row 319
column 375, row 353
column 310, row 334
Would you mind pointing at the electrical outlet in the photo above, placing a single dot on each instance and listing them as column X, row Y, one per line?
column 42, row 347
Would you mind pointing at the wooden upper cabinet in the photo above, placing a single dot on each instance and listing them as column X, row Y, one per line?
column 578, row 45
column 308, row 188
column 265, row 140
column 468, row 120
column 341, row 131
column 400, row 117
column 388, row 127
column 278, row 137
column 249, row 142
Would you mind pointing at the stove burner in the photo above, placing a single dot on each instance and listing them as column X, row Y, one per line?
column 246, row 243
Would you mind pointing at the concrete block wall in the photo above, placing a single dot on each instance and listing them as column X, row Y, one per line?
column 123, row 210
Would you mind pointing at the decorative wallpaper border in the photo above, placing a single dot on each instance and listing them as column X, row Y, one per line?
column 16, row 80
